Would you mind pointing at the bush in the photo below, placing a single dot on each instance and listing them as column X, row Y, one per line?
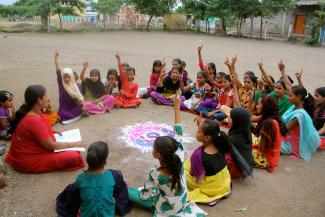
column 311, row 40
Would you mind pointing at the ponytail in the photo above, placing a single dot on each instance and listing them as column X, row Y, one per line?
column 220, row 138
column 167, row 146
column 32, row 94
column 308, row 99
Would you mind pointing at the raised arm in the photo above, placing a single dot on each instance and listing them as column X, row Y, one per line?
column 56, row 60
column 120, row 67
column 199, row 52
column 177, row 105
column 298, row 76
column 284, row 75
column 265, row 74
column 83, row 71
column 232, row 70
column 235, row 91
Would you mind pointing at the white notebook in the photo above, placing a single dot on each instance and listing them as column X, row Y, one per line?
column 69, row 136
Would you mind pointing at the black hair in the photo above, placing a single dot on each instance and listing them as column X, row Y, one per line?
column 177, row 69
column 228, row 77
column 309, row 104
column 125, row 65
column 220, row 138
column 5, row 95
column 321, row 91
column 32, row 94
column 213, row 67
column 97, row 154
column 131, row 69
column 270, row 110
column 112, row 72
column 179, row 61
column 281, row 81
column 252, row 77
column 156, row 63
column 183, row 64
column 202, row 74
column 76, row 76
column 166, row 147
column 272, row 79
column 222, row 74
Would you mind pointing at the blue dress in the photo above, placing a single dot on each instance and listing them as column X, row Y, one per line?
column 96, row 192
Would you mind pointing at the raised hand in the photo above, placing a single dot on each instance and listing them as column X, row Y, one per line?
column 85, row 64
column 261, row 65
column 177, row 101
column 298, row 74
column 56, row 54
column 163, row 62
column 281, row 66
column 117, row 55
column 199, row 49
column 227, row 62
column 234, row 60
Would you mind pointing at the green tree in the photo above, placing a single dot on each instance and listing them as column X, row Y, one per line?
column 316, row 23
column 153, row 7
column 110, row 7
column 221, row 9
column 198, row 9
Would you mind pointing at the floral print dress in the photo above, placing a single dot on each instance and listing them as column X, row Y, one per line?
column 169, row 202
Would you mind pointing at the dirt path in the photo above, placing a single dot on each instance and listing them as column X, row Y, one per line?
column 294, row 189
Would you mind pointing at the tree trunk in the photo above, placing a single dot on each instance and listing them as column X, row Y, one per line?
column 148, row 24
column 206, row 26
column 261, row 27
column 240, row 24
column 252, row 26
column 224, row 27
column 60, row 18
column 104, row 20
column 44, row 23
column 238, row 33
column 197, row 24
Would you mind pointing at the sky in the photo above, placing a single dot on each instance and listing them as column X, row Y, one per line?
column 7, row 2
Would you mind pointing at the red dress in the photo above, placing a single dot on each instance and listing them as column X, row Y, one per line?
column 27, row 155
column 129, row 98
column 154, row 79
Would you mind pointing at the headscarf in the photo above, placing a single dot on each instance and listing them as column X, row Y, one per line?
column 71, row 88
column 97, row 89
column 241, row 123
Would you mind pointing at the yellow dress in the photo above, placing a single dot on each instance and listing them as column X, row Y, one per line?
column 211, row 189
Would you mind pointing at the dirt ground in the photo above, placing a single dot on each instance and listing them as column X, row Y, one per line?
column 295, row 188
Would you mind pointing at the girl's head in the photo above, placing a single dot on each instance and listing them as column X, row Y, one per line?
column 280, row 89
column 267, row 107
column 67, row 75
column 183, row 64
column 227, row 82
column 95, row 75
column 220, row 77
column 250, row 80
column 201, row 77
column 240, row 119
column 299, row 94
column 177, row 63
column 130, row 72
column 211, row 69
column 209, row 132
column 97, row 155
column 35, row 95
column 157, row 66
column 164, row 150
column 175, row 73
column 111, row 74
column 320, row 96
column 6, row 99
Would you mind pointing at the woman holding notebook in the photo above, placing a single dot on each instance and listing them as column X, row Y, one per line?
column 33, row 142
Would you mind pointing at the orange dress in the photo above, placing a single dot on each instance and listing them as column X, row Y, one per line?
column 129, row 98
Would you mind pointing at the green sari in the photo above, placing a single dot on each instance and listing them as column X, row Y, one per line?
column 284, row 103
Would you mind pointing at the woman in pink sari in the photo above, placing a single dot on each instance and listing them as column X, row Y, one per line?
column 96, row 98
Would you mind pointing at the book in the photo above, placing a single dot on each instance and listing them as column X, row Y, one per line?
column 69, row 136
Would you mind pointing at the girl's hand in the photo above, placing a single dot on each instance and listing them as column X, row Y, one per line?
column 250, row 95
column 57, row 132
column 281, row 66
column 84, row 107
column 163, row 62
column 234, row 60
column 199, row 49
column 227, row 62
column 85, row 64
column 56, row 54
column 117, row 55
column 162, row 74
column 76, row 144
column 261, row 65
column 198, row 120
column 210, row 114
column 298, row 74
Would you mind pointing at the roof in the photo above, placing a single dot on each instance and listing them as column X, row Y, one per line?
column 309, row 2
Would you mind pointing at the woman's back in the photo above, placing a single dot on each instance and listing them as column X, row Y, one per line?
column 96, row 192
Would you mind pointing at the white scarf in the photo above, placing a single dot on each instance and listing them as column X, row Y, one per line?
column 71, row 88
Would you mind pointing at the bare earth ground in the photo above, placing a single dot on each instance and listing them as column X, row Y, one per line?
column 295, row 188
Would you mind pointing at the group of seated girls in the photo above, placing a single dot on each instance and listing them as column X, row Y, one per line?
column 264, row 119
